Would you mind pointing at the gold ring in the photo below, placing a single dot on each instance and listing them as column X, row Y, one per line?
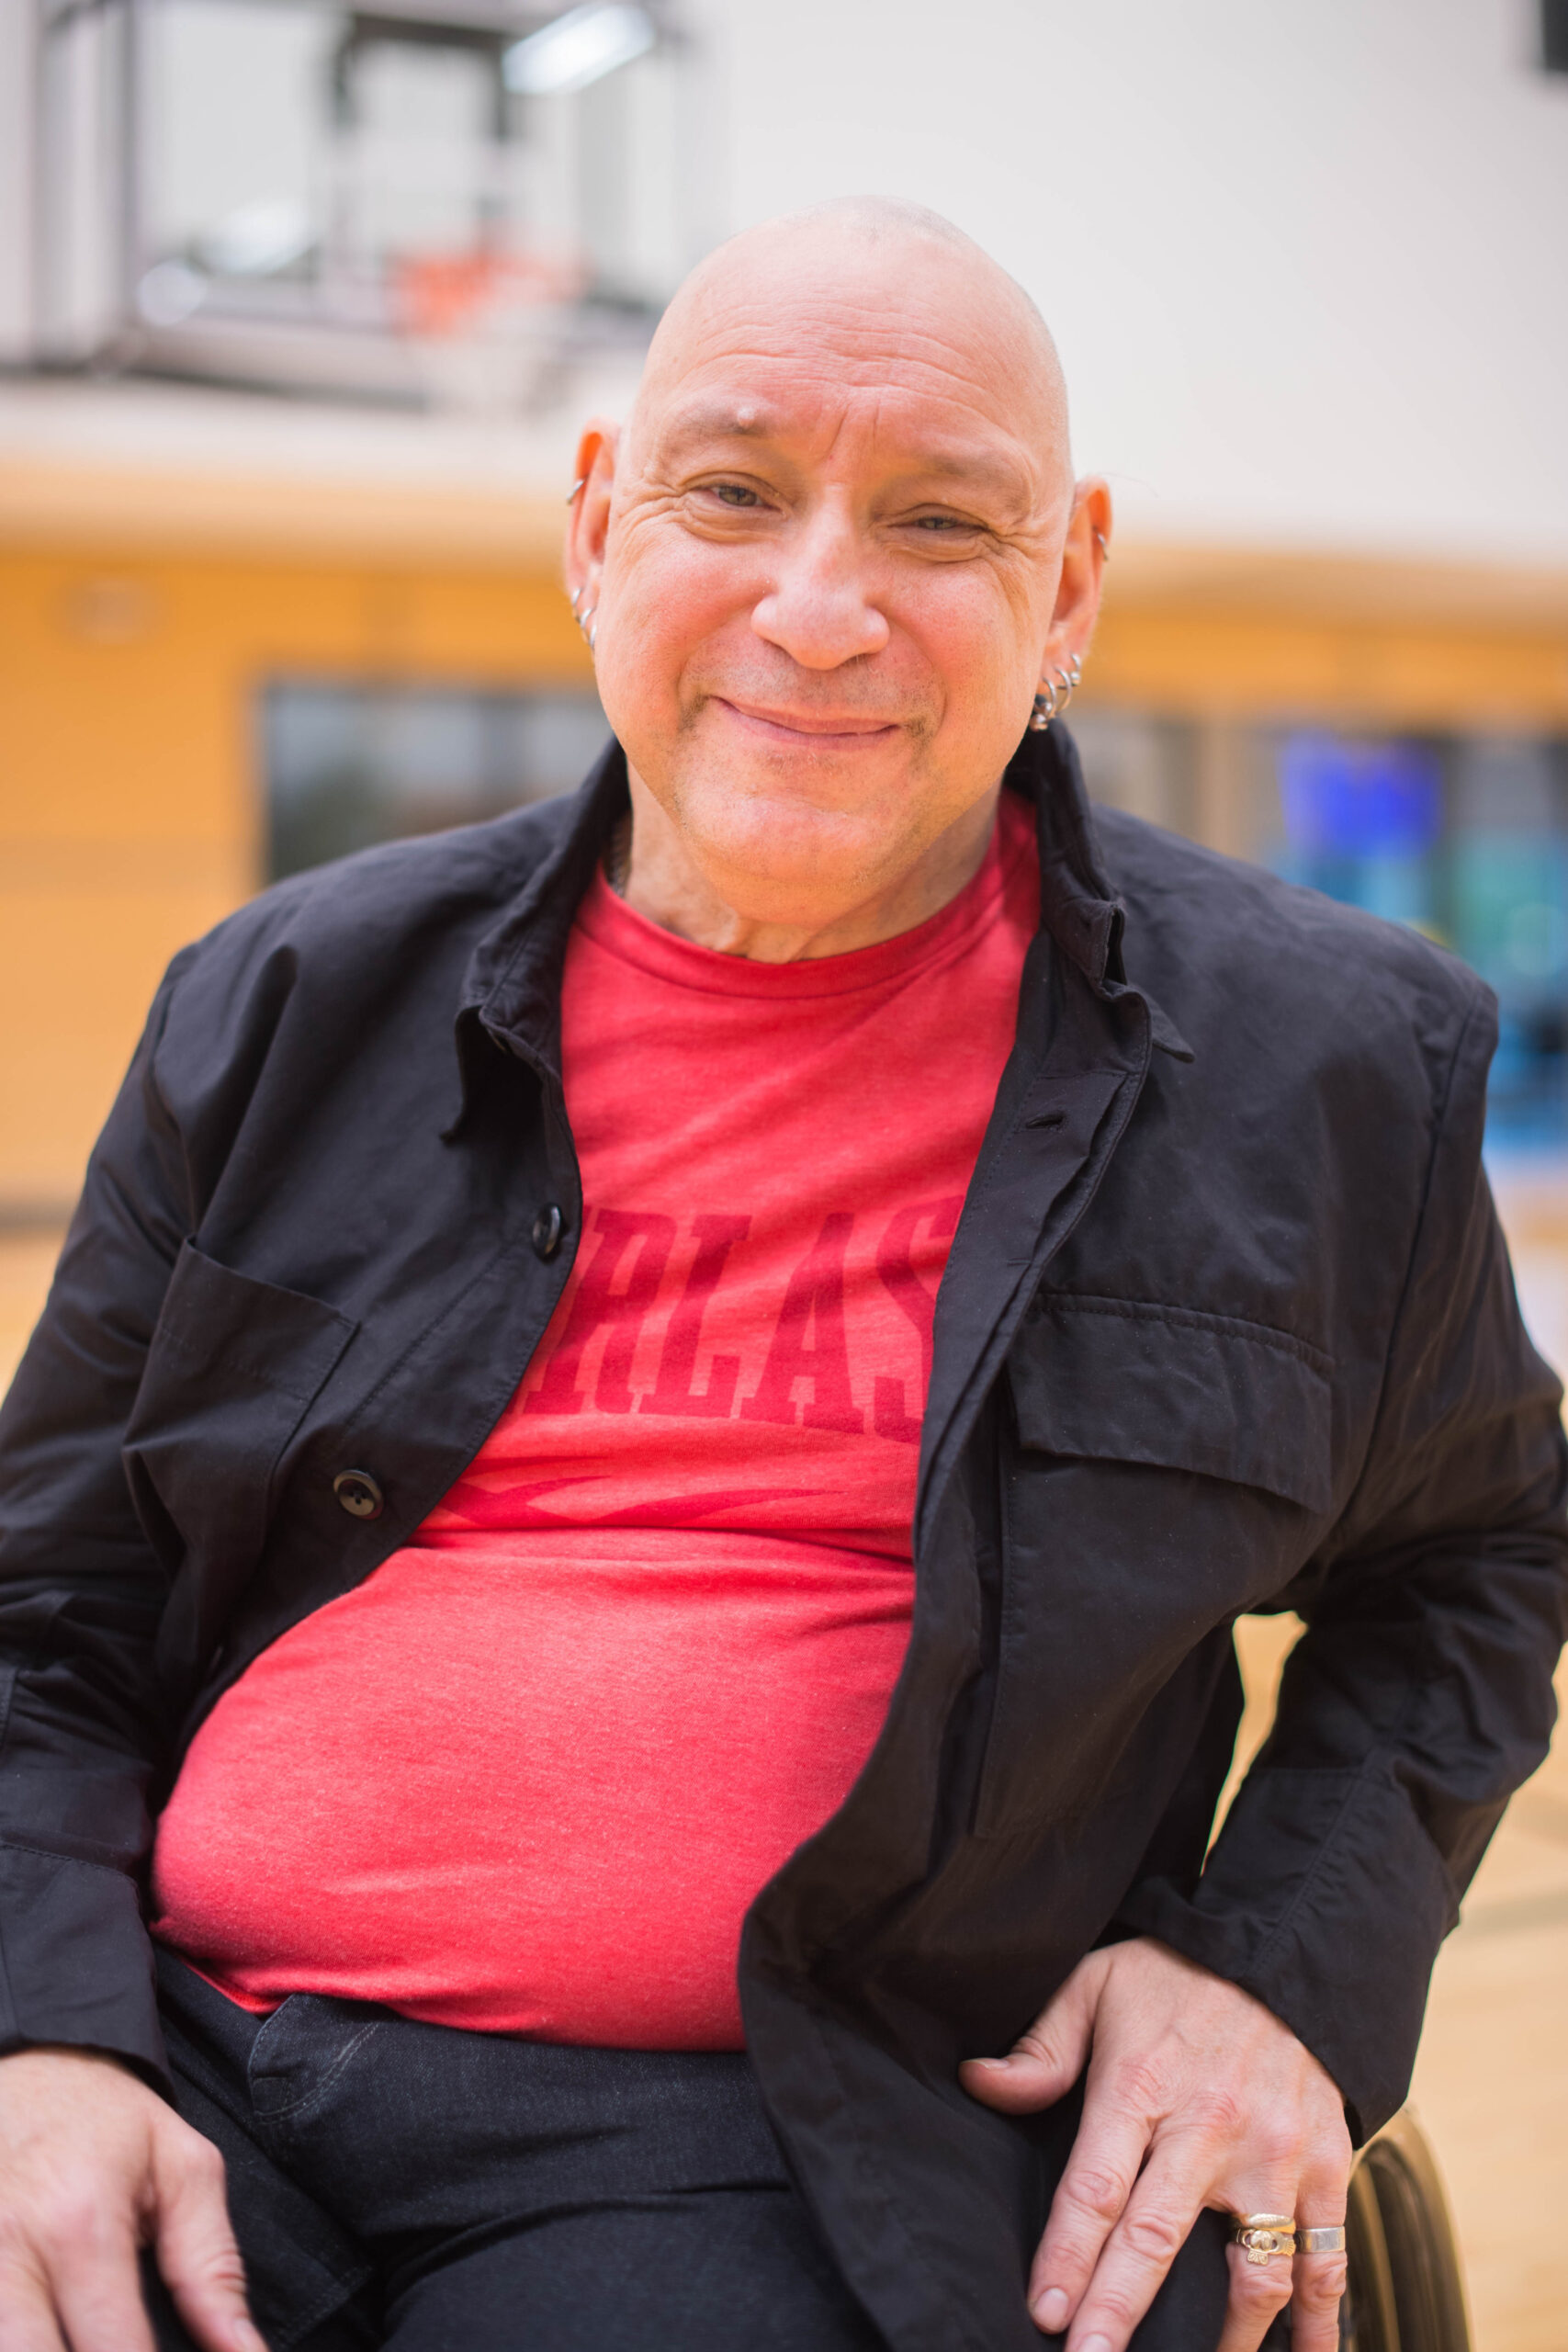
column 1320, row 2240
column 1262, row 2236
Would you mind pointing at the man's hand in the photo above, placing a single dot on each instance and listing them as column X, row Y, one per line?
column 1196, row 2096
column 93, row 2166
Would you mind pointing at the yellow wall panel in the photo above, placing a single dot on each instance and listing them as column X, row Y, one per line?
column 1206, row 662
column 130, row 814
column 77, row 968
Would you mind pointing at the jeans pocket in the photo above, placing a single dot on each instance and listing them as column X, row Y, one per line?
column 303, row 2052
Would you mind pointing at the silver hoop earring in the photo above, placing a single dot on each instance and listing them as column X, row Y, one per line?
column 1047, row 703
column 585, row 623
column 1056, row 692
column 1104, row 546
column 581, row 484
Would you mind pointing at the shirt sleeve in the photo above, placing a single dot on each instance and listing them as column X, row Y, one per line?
column 83, row 1735
column 1420, row 1694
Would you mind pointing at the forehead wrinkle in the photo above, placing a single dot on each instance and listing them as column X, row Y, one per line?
column 1035, row 442
column 869, row 349
column 887, row 306
column 890, row 384
column 968, row 459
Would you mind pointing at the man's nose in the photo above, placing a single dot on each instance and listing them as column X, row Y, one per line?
column 820, row 611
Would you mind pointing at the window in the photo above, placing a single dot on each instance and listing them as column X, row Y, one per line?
column 1465, row 839
column 349, row 765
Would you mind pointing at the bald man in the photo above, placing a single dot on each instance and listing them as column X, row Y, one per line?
column 621, row 1534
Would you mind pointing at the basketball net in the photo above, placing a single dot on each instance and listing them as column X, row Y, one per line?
column 489, row 326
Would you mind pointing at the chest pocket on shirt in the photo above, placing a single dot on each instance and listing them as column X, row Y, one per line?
column 233, row 1366
column 1170, row 1468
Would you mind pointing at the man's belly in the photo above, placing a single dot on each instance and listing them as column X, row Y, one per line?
column 530, row 1784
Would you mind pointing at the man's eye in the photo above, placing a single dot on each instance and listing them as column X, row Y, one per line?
column 735, row 493
column 942, row 523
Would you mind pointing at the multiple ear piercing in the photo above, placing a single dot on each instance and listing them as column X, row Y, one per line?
column 1056, row 688
column 584, row 619
column 1055, row 694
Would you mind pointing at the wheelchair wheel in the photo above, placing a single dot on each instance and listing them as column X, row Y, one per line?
column 1405, row 2290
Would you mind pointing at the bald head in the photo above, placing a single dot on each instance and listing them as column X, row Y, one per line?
column 886, row 278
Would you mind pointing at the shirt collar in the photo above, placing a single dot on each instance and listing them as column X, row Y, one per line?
column 512, row 987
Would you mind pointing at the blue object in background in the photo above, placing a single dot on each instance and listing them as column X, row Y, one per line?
column 1508, row 892
column 1363, row 821
column 1468, row 843
column 1344, row 799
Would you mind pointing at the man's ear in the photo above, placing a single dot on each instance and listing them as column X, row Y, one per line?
column 588, row 520
column 1083, row 572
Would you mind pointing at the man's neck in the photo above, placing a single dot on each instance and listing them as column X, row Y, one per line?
column 650, row 866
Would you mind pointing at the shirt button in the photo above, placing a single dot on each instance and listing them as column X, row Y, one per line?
column 358, row 1493
column 549, row 1227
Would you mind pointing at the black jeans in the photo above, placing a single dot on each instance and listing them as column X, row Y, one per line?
column 416, row 2188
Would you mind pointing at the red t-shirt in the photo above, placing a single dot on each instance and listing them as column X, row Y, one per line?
column 529, row 1775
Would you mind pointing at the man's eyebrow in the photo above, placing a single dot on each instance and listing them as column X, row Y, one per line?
column 721, row 420
column 988, row 471
column 746, row 420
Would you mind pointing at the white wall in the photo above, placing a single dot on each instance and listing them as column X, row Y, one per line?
column 1307, row 259
column 1308, row 265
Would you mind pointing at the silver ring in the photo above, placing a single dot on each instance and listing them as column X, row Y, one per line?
column 1320, row 2240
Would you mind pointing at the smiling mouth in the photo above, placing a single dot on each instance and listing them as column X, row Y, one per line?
column 809, row 726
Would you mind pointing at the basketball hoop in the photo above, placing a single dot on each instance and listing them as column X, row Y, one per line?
column 461, row 293
column 487, row 325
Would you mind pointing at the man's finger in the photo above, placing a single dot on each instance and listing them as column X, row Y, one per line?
column 1043, row 2064
column 1317, row 2289
column 1317, row 2280
column 92, row 2276
column 1091, row 2199
column 1135, row 2253
column 194, row 2247
column 1260, row 2290
column 27, row 2310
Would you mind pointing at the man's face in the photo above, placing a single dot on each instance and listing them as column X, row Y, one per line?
column 831, row 564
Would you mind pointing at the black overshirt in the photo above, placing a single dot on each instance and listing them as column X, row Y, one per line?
column 1227, row 1324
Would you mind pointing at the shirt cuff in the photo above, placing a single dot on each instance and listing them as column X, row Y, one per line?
column 77, row 1961
column 1325, row 1898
